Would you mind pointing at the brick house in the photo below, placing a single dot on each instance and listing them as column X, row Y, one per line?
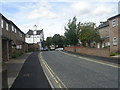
column 110, row 33
column 104, row 34
column 13, row 39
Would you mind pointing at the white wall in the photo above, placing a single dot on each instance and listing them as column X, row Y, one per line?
column 36, row 39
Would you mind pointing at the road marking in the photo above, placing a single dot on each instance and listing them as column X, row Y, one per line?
column 26, row 75
column 52, row 73
column 90, row 60
column 56, row 75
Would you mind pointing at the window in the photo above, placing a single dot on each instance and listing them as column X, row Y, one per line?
column 20, row 34
column 114, row 22
column 12, row 28
column 19, row 47
column 114, row 41
column 15, row 30
column 7, row 26
column 1, row 23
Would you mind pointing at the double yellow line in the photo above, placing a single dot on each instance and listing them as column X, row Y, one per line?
column 95, row 61
column 56, row 79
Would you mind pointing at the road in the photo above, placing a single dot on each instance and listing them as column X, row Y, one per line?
column 71, row 71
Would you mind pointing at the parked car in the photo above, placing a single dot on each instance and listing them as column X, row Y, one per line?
column 59, row 49
column 52, row 47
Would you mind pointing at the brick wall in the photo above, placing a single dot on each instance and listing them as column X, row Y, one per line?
column 5, row 54
column 114, row 32
column 119, row 34
column 103, row 52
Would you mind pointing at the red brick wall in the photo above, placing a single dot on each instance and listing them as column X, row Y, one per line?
column 114, row 32
column 103, row 52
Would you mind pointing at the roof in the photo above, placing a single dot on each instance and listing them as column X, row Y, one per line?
column 103, row 24
column 30, row 32
column 38, row 32
column 4, row 18
column 16, row 26
column 9, row 21
column 114, row 16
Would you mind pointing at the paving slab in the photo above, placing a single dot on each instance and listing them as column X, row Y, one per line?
column 31, row 74
column 13, row 67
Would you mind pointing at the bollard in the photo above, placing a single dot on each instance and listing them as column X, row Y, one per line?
column 4, row 80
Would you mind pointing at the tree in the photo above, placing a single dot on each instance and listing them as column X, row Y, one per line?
column 58, row 40
column 88, row 33
column 49, row 41
column 72, row 32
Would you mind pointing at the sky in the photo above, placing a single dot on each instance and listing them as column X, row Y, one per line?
column 53, row 15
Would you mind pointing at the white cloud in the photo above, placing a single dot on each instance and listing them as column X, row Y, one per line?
column 58, row 0
column 42, row 12
column 102, row 9
column 53, row 19
column 81, row 7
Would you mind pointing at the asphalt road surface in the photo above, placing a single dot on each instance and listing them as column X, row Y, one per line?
column 77, row 72
column 31, row 75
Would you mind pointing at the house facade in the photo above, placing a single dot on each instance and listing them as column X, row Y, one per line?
column 110, row 34
column 104, row 34
column 34, row 39
column 13, row 39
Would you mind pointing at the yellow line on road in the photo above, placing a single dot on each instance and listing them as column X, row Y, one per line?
column 55, row 77
column 95, row 61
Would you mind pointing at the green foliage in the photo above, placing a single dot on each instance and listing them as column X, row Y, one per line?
column 107, row 47
column 49, row 41
column 16, row 54
column 83, row 31
column 72, row 32
column 88, row 33
column 58, row 40
column 31, row 50
column 114, row 54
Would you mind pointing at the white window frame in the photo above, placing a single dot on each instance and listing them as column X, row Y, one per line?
column 7, row 26
column 20, row 46
column 2, row 25
column 12, row 28
column 114, row 23
column 114, row 41
column 15, row 30
column 20, row 34
column 17, row 47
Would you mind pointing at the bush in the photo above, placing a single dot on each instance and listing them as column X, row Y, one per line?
column 16, row 54
column 31, row 50
column 114, row 54
column 106, row 46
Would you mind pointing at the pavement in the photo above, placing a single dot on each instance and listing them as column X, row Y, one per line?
column 75, row 71
column 112, row 59
column 31, row 75
column 13, row 67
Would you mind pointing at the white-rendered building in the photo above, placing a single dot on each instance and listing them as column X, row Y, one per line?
column 36, row 37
